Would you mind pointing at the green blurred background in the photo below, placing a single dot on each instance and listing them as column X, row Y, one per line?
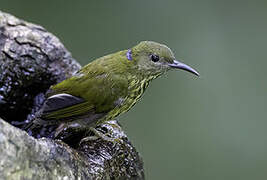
column 210, row 128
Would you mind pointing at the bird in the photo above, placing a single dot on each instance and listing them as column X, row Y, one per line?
column 103, row 89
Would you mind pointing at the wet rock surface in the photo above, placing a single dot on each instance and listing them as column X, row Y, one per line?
column 31, row 60
column 23, row 157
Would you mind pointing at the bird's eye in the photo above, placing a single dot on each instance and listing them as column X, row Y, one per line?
column 154, row 58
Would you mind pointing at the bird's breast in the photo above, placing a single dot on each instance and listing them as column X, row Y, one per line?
column 136, row 89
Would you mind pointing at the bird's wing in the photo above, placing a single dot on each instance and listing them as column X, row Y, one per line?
column 78, row 96
column 60, row 101
column 65, row 107
column 68, row 113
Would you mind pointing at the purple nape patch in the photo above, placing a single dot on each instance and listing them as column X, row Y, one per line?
column 129, row 54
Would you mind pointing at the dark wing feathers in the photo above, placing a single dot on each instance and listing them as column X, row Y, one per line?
column 60, row 101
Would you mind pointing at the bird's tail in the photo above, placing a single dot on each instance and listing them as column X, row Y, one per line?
column 39, row 130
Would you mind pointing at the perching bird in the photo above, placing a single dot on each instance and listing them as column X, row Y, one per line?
column 103, row 89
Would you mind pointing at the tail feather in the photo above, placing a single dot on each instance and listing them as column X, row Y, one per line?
column 37, row 130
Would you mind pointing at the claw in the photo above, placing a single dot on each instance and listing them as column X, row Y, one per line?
column 101, row 135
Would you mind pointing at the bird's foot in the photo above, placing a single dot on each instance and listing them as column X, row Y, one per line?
column 113, row 124
column 99, row 134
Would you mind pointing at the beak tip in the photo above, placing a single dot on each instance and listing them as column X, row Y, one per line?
column 185, row 67
column 196, row 73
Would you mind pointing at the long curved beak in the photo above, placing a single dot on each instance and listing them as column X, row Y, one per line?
column 179, row 65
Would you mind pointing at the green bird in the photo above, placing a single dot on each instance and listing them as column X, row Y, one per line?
column 103, row 89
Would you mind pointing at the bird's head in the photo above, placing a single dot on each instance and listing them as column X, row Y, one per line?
column 151, row 58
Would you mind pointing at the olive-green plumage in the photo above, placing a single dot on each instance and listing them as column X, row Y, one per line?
column 106, row 87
